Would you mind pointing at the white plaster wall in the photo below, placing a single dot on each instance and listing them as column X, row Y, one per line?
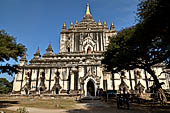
column 17, row 84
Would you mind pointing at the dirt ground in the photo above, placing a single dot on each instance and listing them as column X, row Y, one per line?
column 94, row 106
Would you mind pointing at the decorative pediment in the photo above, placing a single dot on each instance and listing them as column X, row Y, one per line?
column 89, row 41
column 96, row 78
column 88, row 44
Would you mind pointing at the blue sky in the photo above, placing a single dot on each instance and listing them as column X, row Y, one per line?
column 36, row 23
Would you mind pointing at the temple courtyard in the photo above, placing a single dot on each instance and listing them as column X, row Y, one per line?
column 10, row 104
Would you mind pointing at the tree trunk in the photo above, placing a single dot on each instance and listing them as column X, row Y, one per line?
column 159, row 89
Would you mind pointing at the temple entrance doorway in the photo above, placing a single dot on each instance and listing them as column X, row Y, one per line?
column 90, row 88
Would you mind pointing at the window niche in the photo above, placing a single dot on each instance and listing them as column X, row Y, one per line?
column 68, row 49
column 89, row 50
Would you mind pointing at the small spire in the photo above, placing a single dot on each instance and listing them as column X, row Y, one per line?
column 87, row 9
column 112, row 27
column 76, row 23
column 99, row 22
column 49, row 47
column 105, row 25
column 37, row 52
column 64, row 27
column 49, row 50
column 23, row 58
column 112, row 24
column 71, row 25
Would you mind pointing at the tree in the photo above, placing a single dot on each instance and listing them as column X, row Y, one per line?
column 5, row 86
column 9, row 49
column 143, row 45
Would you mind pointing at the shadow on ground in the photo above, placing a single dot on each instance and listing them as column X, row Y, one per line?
column 5, row 104
column 97, row 106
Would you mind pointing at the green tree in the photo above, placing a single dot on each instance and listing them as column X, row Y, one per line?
column 9, row 49
column 5, row 86
column 143, row 45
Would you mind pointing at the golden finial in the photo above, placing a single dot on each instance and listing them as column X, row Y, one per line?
column 88, row 9
column 64, row 25
column 105, row 25
column 112, row 27
column 99, row 22
column 112, row 24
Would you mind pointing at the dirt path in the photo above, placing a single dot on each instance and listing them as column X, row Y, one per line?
column 79, row 107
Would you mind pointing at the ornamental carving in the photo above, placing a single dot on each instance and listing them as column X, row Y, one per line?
column 68, row 43
column 42, row 86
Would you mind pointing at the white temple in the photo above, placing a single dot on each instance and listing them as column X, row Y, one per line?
column 77, row 68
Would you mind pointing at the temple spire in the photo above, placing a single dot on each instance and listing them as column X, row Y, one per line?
column 71, row 26
column 64, row 26
column 37, row 54
column 38, row 51
column 88, row 10
column 76, row 23
column 49, row 50
column 112, row 27
column 99, row 22
column 105, row 25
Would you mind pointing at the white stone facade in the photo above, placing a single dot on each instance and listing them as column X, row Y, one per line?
column 77, row 68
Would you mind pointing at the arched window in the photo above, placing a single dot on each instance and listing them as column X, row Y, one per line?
column 89, row 50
